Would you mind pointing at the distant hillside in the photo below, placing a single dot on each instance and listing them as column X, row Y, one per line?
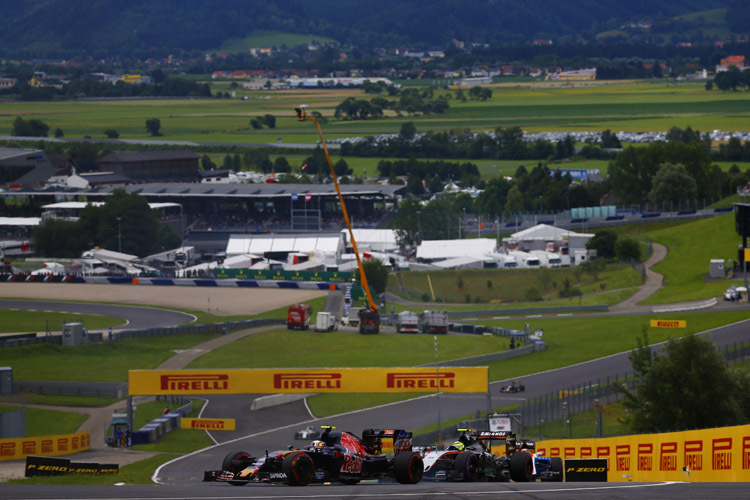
column 123, row 26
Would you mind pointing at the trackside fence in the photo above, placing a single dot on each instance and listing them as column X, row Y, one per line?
column 584, row 397
column 222, row 327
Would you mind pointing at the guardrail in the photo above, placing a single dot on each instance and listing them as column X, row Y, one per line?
column 528, row 310
column 114, row 390
column 218, row 327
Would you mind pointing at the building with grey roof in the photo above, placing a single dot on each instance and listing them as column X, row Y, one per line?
column 178, row 165
column 23, row 167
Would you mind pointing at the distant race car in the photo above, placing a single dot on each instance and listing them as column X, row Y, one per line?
column 307, row 433
column 336, row 456
column 471, row 458
column 515, row 386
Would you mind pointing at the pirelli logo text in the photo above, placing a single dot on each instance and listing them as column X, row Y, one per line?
column 721, row 449
column 420, row 380
column 208, row 424
column 305, row 381
column 694, row 455
column 194, row 382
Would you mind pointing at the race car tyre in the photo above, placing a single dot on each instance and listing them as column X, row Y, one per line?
column 236, row 461
column 556, row 466
column 297, row 435
column 521, row 467
column 408, row 467
column 467, row 465
column 299, row 468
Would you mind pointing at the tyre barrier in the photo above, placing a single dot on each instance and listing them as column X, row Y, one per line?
column 48, row 466
column 155, row 429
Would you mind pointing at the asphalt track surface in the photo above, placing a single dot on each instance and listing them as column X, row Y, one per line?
column 421, row 491
column 134, row 317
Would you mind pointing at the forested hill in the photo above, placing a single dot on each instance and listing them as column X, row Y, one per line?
column 121, row 26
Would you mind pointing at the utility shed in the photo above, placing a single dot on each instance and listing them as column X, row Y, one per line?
column 717, row 268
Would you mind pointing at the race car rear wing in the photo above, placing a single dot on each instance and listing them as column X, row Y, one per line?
column 388, row 442
column 503, row 442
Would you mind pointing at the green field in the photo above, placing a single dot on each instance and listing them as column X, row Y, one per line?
column 277, row 39
column 307, row 349
column 502, row 286
column 691, row 247
column 42, row 422
column 629, row 106
column 104, row 361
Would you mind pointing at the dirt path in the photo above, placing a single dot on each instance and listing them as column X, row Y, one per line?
column 654, row 281
column 222, row 301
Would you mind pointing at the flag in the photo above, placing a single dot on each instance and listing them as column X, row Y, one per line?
column 308, row 197
column 366, row 255
column 294, row 197
column 304, row 166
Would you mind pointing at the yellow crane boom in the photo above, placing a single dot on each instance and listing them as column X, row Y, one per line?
column 302, row 116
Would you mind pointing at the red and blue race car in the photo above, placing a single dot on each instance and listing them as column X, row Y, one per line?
column 336, row 456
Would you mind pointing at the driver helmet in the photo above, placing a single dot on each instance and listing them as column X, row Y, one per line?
column 318, row 445
column 457, row 445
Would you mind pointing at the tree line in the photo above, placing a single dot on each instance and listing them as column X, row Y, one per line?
column 125, row 222
column 87, row 88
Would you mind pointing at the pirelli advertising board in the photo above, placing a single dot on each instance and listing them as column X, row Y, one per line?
column 300, row 381
column 208, row 424
column 709, row 455
column 664, row 323
column 49, row 446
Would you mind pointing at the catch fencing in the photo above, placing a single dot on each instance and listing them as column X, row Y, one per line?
column 581, row 398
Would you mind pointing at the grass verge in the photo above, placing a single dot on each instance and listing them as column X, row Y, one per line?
column 41, row 422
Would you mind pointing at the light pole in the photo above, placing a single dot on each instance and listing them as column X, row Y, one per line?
column 119, row 234
column 419, row 224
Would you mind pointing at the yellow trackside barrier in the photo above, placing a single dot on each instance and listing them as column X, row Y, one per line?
column 45, row 446
column 708, row 455
column 208, row 424
column 301, row 381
